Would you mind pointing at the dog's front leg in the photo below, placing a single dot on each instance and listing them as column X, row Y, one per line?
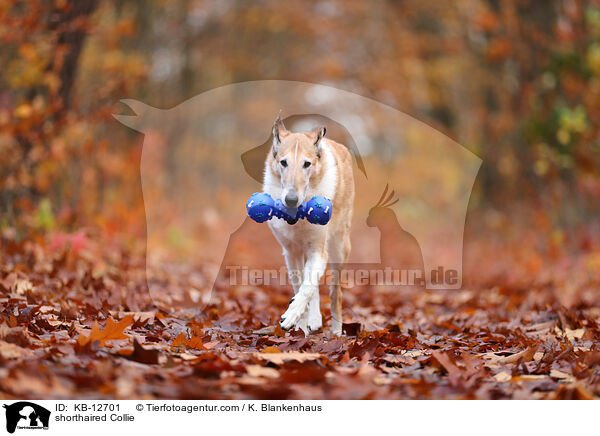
column 338, row 249
column 294, row 261
column 314, row 268
column 294, row 264
column 315, row 321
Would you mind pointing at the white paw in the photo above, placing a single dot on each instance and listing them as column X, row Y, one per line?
column 315, row 321
column 336, row 328
column 302, row 324
column 292, row 315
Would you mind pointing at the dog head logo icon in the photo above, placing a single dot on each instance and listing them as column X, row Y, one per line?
column 26, row 415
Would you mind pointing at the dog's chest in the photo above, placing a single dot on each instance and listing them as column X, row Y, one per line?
column 299, row 236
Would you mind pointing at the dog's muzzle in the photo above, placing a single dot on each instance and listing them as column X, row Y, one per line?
column 291, row 199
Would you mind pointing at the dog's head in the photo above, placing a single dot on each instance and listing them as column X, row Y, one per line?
column 295, row 160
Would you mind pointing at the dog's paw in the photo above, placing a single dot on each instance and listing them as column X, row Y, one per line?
column 292, row 315
column 303, row 325
column 336, row 328
column 315, row 321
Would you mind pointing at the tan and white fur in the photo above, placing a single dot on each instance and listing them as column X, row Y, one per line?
column 298, row 167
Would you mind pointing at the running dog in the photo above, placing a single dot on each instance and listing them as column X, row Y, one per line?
column 298, row 167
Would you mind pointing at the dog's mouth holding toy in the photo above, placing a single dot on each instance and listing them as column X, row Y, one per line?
column 261, row 207
column 291, row 211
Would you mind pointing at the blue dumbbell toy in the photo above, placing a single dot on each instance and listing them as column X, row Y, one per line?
column 261, row 207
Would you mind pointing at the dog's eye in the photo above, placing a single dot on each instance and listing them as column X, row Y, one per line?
column 283, row 163
column 306, row 164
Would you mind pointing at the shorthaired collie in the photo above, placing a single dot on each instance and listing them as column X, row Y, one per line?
column 298, row 167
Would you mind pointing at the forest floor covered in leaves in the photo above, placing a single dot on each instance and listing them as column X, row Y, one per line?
column 81, row 324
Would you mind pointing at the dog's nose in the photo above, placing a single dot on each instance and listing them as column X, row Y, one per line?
column 291, row 200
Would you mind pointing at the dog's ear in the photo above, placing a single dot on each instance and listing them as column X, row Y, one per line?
column 318, row 135
column 279, row 131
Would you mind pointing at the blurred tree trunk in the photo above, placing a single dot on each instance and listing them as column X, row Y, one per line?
column 71, row 29
column 68, row 28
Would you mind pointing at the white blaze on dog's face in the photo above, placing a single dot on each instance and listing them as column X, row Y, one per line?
column 296, row 160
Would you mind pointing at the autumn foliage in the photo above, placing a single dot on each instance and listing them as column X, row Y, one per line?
column 517, row 82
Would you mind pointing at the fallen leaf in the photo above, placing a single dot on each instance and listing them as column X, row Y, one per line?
column 261, row 371
column 113, row 331
column 22, row 286
column 524, row 356
column 555, row 373
column 503, row 376
column 574, row 391
column 281, row 358
column 142, row 355
column 12, row 351
column 195, row 342
column 574, row 334
column 15, row 335
column 351, row 328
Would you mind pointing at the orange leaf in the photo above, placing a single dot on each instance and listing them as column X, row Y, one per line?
column 179, row 341
column 112, row 331
column 194, row 342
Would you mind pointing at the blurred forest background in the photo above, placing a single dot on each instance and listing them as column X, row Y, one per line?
column 517, row 82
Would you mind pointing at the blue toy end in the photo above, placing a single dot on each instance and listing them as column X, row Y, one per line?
column 260, row 207
column 318, row 210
